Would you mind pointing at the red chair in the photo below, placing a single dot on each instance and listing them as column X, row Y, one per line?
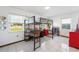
column 45, row 32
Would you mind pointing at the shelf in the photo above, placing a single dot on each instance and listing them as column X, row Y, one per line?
column 44, row 23
column 33, row 23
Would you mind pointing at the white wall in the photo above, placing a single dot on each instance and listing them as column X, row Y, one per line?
column 57, row 22
column 6, row 36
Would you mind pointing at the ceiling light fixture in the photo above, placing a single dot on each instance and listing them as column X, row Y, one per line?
column 47, row 8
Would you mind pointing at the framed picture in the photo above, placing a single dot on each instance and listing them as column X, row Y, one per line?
column 66, row 23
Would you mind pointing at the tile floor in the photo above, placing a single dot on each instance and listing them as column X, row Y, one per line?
column 57, row 44
column 18, row 47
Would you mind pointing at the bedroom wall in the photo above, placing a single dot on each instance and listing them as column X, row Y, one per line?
column 57, row 22
column 6, row 36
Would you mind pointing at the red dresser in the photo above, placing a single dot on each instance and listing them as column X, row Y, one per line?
column 74, row 39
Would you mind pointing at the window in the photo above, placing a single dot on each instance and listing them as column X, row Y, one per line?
column 16, row 18
column 66, row 23
column 16, row 23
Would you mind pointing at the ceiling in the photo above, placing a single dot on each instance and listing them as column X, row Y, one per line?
column 54, row 10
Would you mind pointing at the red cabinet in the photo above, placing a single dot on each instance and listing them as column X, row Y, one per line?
column 74, row 39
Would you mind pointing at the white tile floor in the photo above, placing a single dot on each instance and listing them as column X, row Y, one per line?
column 57, row 44
column 18, row 47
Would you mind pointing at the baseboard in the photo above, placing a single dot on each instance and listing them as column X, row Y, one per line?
column 64, row 36
column 11, row 43
column 73, row 47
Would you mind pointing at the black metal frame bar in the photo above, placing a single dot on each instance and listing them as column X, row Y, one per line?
column 35, row 38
